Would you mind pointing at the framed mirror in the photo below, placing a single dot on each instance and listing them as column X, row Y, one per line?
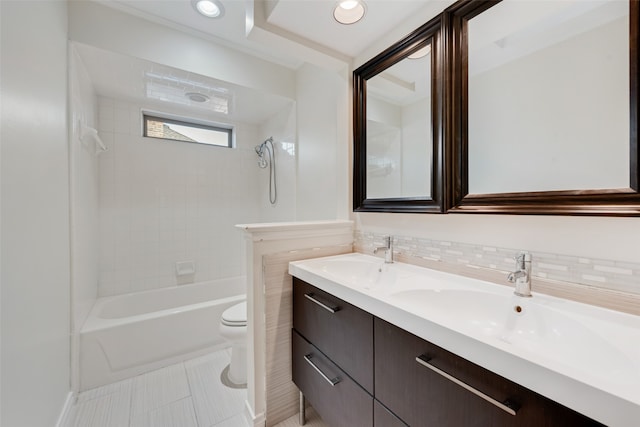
column 544, row 107
column 397, row 127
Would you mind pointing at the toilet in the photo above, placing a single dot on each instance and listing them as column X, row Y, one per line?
column 233, row 328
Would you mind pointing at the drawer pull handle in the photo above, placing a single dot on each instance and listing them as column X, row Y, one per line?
column 333, row 381
column 311, row 296
column 424, row 361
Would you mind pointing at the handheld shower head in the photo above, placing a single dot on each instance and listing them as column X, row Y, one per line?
column 268, row 148
column 262, row 162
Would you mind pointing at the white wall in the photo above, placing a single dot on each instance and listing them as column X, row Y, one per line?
column 35, row 213
column 543, row 110
column 167, row 201
column 84, row 199
column 322, row 109
column 322, row 138
column 605, row 238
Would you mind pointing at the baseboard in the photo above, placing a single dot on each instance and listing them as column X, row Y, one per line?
column 66, row 410
column 253, row 419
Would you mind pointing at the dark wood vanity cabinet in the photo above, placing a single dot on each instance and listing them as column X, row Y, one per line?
column 445, row 390
column 340, row 330
column 382, row 417
column 339, row 400
column 358, row 370
column 332, row 356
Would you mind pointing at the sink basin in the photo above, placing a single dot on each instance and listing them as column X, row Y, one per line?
column 521, row 323
column 364, row 273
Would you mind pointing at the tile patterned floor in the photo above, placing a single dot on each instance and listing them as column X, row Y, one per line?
column 188, row 394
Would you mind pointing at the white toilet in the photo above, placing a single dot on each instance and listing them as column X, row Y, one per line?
column 233, row 328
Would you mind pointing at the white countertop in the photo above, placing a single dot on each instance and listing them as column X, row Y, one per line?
column 584, row 357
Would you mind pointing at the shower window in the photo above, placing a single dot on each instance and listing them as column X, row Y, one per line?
column 187, row 131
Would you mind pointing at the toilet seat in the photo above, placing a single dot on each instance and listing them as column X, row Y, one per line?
column 235, row 316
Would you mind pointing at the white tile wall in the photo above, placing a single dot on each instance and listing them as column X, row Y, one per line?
column 601, row 273
column 163, row 201
column 282, row 126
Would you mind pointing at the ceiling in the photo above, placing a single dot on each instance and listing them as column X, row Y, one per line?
column 248, row 25
column 313, row 20
column 124, row 77
column 309, row 23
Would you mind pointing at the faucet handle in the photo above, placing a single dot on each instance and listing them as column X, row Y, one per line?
column 521, row 258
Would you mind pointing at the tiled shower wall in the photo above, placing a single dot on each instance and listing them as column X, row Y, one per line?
column 601, row 273
column 161, row 202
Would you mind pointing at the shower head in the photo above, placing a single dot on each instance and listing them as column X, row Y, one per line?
column 260, row 148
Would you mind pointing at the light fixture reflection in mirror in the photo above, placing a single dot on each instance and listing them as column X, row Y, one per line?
column 399, row 134
column 548, row 92
column 421, row 53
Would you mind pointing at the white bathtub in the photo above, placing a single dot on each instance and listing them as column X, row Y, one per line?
column 127, row 335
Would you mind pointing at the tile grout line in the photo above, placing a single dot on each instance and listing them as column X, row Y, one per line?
column 193, row 404
column 131, row 402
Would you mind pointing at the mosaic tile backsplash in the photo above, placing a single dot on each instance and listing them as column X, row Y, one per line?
column 607, row 274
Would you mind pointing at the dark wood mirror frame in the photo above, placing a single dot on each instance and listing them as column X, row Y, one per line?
column 610, row 202
column 426, row 34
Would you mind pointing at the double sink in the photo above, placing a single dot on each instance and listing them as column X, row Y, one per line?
column 585, row 357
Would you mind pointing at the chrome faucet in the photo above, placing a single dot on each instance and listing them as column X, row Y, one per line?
column 388, row 249
column 522, row 276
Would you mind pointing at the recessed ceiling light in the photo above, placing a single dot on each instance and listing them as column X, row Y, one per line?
column 349, row 11
column 420, row 53
column 209, row 8
column 348, row 4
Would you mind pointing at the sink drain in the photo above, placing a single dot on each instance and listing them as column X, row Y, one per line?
column 517, row 309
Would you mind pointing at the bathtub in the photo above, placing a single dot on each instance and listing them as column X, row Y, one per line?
column 127, row 335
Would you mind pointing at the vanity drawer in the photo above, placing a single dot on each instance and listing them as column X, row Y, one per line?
column 340, row 330
column 432, row 392
column 382, row 417
column 336, row 397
